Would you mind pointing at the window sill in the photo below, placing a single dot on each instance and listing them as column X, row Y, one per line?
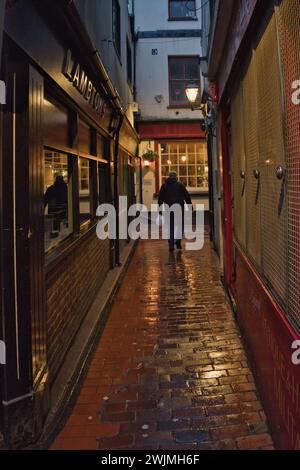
column 198, row 192
column 183, row 19
column 180, row 106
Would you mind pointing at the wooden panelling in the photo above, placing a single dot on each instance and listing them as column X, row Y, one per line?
column 14, row 240
column 36, row 227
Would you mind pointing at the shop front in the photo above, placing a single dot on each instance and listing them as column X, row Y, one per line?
column 64, row 137
column 180, row 147
column 260, row 152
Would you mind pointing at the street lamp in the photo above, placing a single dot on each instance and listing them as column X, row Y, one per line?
column 208, row 125
column 192, row 91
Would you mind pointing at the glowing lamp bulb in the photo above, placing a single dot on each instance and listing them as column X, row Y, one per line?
column 192, row 92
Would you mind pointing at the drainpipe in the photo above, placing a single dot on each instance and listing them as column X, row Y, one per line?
column 116, row 189
column 2, row 84
column 135, row 39
column 2, row 12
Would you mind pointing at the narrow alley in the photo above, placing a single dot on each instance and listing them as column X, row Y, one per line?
column 121, row 119
column 170, row 370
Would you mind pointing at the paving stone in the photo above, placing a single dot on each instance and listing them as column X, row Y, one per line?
column 190, row 437
column 171, row 363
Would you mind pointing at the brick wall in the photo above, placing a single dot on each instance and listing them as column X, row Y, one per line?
column 71, row 289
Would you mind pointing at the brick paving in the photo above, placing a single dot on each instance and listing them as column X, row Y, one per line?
column 170, row 371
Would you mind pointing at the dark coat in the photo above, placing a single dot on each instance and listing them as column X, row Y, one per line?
column 173, row 192
column 56, row 197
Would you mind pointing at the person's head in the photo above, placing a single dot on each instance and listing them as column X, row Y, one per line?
column 173, row 175
column 59, row 179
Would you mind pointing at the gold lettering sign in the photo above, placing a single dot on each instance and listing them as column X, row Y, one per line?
column 77, row 75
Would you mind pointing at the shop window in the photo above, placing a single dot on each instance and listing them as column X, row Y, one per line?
column 58, row 210
column 289, row 40
column 182, row 9
column 103, row 181
column 85, row 190
column 188, row 160
column 182, row 70
column 102, row 147
column 117, row 26
column 260, row 198
column 56, row 124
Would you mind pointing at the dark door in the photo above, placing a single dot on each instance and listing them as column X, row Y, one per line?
column 22, row 251
column 17, row 372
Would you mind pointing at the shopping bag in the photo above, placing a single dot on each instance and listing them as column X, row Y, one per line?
column 160, row 220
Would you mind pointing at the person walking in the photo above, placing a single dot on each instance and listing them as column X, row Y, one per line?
column 56, row 198
column 174, row 192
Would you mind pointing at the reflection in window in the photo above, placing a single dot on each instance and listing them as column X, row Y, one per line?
column 58, row 220
column 55, row 124
column 188, row 160
column 103, row 181
column 84, row 138
column 101, row 151
column 182, row 9
column 182, row 70
column 84, row 190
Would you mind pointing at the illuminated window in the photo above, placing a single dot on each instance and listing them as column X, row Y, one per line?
column 58, row 218
column 84, row 190
column 188, row 160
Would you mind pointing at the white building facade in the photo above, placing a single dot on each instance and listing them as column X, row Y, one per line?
column 168, row 51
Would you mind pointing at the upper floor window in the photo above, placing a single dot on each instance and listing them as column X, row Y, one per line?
column 182, row 70
column 182, row 9
column 117, row 26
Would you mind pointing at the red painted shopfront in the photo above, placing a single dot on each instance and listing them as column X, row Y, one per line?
column 169, row 131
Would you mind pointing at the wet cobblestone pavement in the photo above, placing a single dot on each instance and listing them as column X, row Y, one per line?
column 170, row 371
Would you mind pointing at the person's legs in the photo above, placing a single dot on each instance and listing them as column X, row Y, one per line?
column 180, row 230
column 171, row 232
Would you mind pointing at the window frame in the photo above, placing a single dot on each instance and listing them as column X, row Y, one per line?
column 191, row 189
column 186, row 104
column 181, row 18
column 71, row 159
column 75, row 115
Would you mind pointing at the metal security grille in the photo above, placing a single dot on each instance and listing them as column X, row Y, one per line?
column 253, row 196
column 272, row 154
column 238, row 168
column 288, row 21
